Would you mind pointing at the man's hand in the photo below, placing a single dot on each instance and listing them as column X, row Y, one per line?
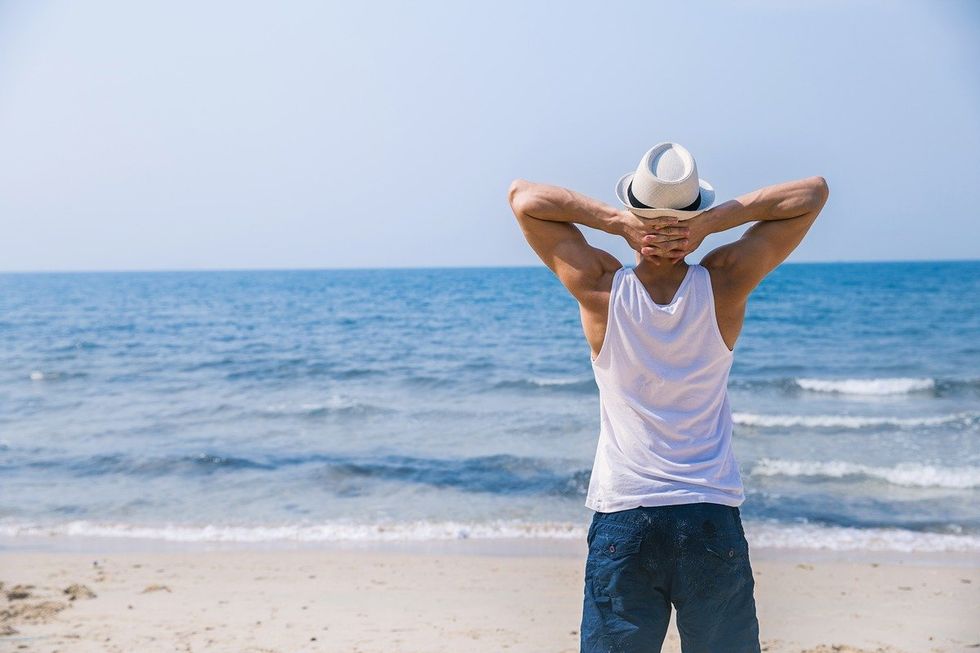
column 665, row 245
column 654, row 238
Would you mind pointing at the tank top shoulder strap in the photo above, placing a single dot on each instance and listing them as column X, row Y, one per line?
column 698, row 293
column 615, row 300
column 617, row 279
column 704, row 285
column 706, row 298
column 619, row 283
column 702, row 279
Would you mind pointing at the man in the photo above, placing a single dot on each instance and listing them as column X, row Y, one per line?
column 665, row 485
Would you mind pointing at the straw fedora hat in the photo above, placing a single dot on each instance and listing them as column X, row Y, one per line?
column 666, row 183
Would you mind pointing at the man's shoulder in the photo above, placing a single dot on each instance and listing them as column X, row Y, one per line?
column 723, row 269
column 595, row 299
column 720, row 258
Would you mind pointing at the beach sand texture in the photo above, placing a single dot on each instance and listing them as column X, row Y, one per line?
column 380, row 601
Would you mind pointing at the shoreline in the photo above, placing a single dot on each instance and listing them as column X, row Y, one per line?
column 526, row 547
column 453, row 597
column 537, row 547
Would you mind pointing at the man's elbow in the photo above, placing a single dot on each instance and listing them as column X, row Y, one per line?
column 819, row 190
column 520, row 195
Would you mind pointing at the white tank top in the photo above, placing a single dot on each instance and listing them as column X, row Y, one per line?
column 665, row 433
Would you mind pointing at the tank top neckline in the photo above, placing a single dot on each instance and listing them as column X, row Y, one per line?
column 677, row 293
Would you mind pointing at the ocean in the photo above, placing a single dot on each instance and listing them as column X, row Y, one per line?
column 459, row 403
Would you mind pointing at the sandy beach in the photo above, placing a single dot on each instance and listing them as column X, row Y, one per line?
column 459, row 598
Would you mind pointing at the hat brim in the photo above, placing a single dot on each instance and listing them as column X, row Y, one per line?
column 707, row 200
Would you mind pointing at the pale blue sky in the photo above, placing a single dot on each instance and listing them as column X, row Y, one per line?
column 162, row 135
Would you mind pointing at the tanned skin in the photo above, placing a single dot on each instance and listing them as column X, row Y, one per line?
column 783, row 214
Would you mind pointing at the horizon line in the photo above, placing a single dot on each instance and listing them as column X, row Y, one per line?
column 422, row 267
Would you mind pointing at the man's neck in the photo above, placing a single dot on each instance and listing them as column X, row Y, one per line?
column 667, row 270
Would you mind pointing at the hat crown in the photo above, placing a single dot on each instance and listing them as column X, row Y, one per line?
column 667, row 177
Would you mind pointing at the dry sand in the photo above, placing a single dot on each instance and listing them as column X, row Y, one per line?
column 351, row 600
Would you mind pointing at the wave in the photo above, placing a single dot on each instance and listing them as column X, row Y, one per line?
column 846, row 421
column 759, row 534
column 868, row 387
column 430, row 382
column 580, row 384
column 245, row 366
column 903, row 474
column 345, row 473
column 886, row 386
column 847, row 538
column 107, row 464
column 275, row 370
column 496, row 474
column 78, row 345
column 323, row 532
column 356, row 373
column 38, row 375
column 334, row 405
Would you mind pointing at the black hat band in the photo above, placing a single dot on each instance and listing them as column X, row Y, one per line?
column 640, row 205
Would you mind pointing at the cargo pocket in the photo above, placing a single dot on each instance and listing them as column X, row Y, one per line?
column 614, row 553
column 614, row 541
column 724, row 568
column 733, row 550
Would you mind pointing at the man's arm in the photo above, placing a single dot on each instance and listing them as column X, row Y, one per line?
column 546, row 215
column 783, row 214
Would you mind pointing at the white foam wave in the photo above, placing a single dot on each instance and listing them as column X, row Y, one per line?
column 37, row 375
column 843, row 538
column 324, row 532
column 762, row 534
column 844, row 421
column 548, row 382
column 904, row 474
column 893, row 386
column 332, row 404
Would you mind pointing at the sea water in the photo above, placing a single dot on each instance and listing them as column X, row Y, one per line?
column 453, row 403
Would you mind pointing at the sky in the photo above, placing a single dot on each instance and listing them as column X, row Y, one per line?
column 226, row 135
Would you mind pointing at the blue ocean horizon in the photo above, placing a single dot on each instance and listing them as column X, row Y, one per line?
column 417, row 403
column 421, row 268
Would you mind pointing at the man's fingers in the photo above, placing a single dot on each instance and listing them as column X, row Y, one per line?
column 662, row 251
column 661, row 221
column 677, row 230
column 668, row 246
column 668, row 231
column 663, row 238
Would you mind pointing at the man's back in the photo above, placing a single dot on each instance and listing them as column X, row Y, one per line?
column 665, row 420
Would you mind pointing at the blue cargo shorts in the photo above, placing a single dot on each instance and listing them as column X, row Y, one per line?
column 642, row 561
